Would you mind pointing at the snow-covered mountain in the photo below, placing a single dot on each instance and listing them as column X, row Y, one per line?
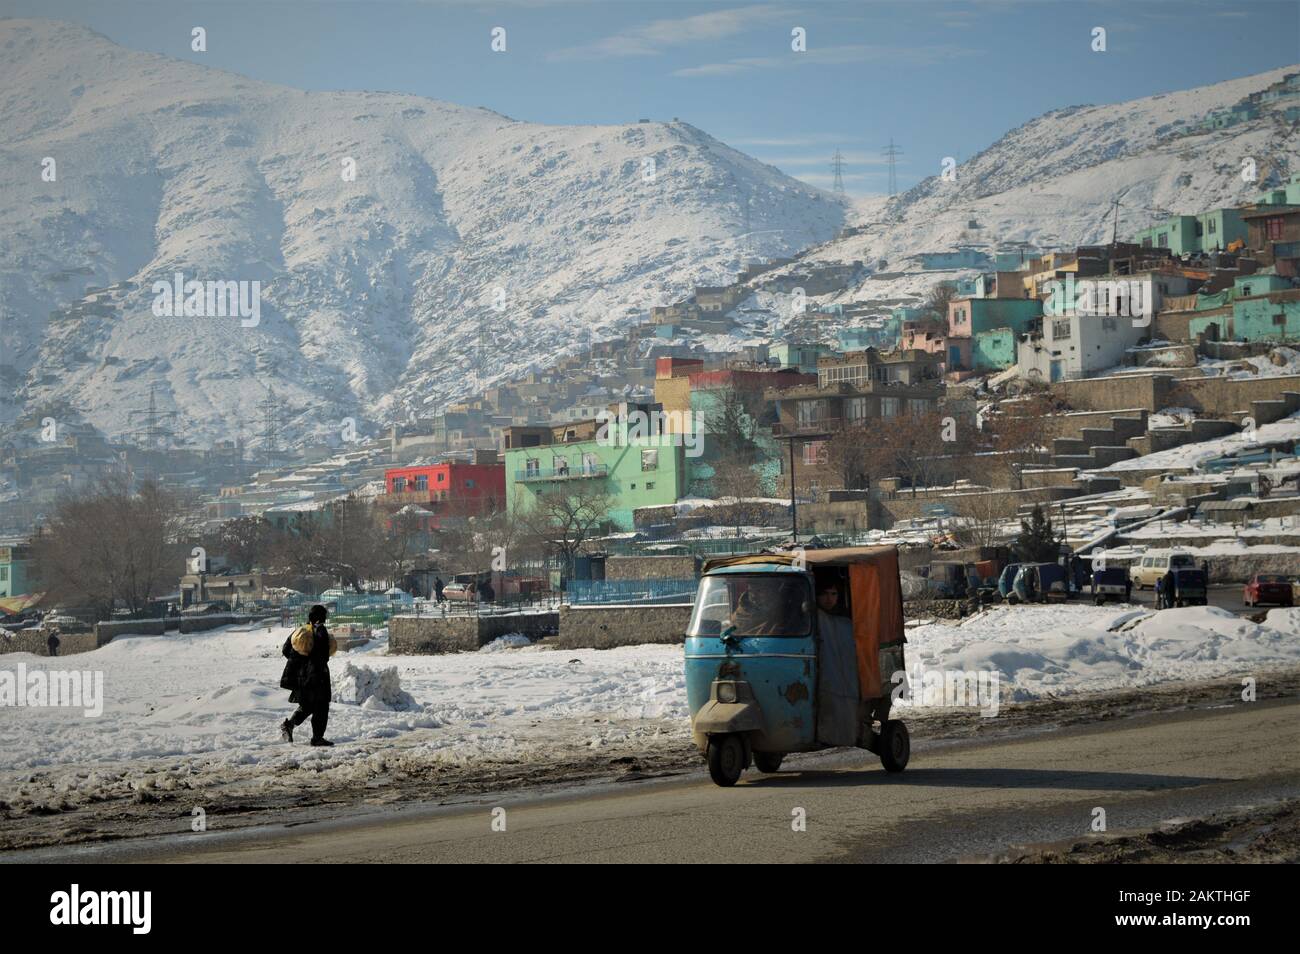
column 469, row 247
column 1050, row 183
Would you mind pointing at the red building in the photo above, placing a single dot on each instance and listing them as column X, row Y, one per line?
column 450, row 489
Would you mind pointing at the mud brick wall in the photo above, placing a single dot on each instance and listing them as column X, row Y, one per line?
column 604, row 627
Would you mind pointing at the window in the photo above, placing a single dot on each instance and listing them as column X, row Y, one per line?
column 809, row 412
column 917, row 406
column 1061, row 329
column 399, row 485
column 1245, row 291
column 855, row 409
column 814, row 453
column 1162, row 240
column 1279, row 319
column 421, row 481
column 1213, row 226
column 4, row 573
column 442, row 476
column 889, row 407
column 561, row 465
column 590, row 463
column 469, row 485
column 532, row 467
column 649, row 460
column 1274, row 227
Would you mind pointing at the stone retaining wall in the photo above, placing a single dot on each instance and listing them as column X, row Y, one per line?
column 604, row 627
column 422, row 635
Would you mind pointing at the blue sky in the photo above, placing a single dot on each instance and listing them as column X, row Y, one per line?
column 939, row 78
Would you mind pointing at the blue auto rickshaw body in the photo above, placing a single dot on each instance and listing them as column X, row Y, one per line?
column 766, row 676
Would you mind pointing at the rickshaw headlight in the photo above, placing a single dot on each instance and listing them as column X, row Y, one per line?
column 726, row 692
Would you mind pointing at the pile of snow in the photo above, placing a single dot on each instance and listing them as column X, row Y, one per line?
column 1045, row 651
column 371, row 689
column 508, row 641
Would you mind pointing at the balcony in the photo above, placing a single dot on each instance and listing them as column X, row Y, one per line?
column 562, row 473
column 825, row 425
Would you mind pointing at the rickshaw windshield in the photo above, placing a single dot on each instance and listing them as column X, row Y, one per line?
column 768, row 604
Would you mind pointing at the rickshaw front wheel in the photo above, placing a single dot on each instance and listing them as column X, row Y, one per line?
column 726, row 759
column 895, row 746
column 768, row 762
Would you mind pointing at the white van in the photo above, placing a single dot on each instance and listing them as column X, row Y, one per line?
column 1156, row 563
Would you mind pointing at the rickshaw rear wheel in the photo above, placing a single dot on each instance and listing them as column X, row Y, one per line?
column 726, row 759
column 895, row 746
column 768, row 762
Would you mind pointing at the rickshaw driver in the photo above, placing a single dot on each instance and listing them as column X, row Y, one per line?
column 765, row 609
column 839, row 714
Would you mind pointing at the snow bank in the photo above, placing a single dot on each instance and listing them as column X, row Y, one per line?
column 508, row 641
column 372, row 689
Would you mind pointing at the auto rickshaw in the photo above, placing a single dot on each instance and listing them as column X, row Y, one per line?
column 791, row 653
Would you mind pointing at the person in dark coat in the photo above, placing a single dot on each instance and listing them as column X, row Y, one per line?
column 314, row 691
column 437, row 588
column 486, row 593
column 53, row 642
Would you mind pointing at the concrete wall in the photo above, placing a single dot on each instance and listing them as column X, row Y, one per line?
column 422, row 635
column 604, row 627
column 104, row 632
column 199, row 624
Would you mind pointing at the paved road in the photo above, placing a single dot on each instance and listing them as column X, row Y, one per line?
column 956, row 800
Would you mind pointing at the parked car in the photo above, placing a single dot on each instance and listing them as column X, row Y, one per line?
column 458, row 591
column 1111, row 583
column 1156, row 564
column 1268, row 588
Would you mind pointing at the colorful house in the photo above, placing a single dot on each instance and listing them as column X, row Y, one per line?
column 634, row 468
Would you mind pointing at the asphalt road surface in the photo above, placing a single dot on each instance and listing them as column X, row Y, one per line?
column 963, row 800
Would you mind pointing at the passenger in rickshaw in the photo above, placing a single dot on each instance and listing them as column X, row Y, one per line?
column 770, row 608
column 839, row 715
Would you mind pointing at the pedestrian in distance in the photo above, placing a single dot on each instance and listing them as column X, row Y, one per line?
column 307, row 674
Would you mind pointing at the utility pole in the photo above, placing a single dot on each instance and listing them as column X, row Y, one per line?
column 794, row 506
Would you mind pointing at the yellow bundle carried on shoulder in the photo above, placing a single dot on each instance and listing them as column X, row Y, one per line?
column 304, row 638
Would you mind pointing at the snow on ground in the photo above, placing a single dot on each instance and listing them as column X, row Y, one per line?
column 210, row 702
column 1062, row 649
column 1189, row 455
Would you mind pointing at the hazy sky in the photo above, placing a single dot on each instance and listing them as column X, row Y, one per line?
column 940, row 78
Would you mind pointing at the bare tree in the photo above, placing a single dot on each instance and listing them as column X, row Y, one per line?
column 113, row 547
column 562, row 520
column 981, row 518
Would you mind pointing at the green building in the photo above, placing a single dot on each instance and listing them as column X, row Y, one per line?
column 993, row 350
column 634, row 470
column 15, row 571
column 802, row 357
column 1188, row 234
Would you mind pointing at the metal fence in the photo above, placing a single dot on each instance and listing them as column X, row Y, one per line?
column 630, row 591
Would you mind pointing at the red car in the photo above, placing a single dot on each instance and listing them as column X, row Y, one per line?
column 1267, row 588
